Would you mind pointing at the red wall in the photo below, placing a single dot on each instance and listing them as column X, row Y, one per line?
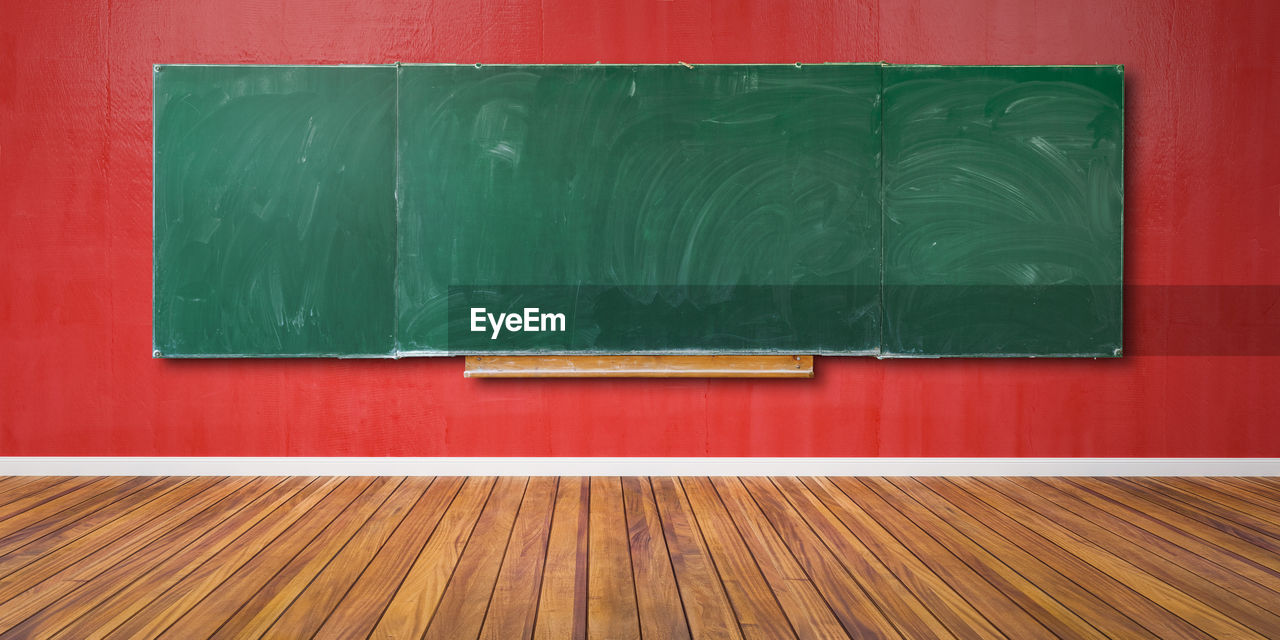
column 1202, row 207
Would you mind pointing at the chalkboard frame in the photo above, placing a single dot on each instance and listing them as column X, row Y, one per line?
column 395, row 350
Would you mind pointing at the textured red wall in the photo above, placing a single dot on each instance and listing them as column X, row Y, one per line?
column 77, row 378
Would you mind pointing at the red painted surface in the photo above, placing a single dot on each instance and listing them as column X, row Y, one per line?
column 77, row 378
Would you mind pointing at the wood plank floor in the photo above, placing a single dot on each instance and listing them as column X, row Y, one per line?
column 615, row 558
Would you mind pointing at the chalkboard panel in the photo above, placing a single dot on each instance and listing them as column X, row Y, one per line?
column 274, row 211
column 441, row 209
column 661, row 208
column 1003, row 210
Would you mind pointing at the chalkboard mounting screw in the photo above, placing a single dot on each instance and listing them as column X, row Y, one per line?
column 155, row 353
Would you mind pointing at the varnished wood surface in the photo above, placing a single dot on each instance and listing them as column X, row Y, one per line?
column 640, row 366
column 678, row 558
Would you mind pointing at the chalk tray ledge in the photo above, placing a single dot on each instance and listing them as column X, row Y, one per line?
column 640, row 366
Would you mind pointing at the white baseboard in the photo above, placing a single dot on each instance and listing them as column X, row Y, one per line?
column 318, row 466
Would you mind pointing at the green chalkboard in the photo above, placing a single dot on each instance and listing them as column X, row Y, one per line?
column 1003, row 208
column 274, row 211
column 660, row 208
column 892, row 210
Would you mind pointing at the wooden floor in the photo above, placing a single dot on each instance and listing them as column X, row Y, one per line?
column 617, row 558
